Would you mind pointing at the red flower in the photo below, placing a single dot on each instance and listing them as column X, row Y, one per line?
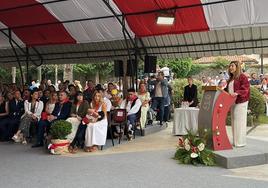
column 194, row 149
column 181, row 142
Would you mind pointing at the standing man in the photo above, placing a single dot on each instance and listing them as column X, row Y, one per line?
column 159, row 94
column 190, row 93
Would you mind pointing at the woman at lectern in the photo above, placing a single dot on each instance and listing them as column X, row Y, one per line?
column 238, row 86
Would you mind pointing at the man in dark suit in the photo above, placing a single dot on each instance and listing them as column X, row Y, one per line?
column 16, row 109
column 190, row 93
column 61, row 112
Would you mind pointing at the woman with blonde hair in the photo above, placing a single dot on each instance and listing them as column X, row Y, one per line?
column 238, row 86
column 96, row 131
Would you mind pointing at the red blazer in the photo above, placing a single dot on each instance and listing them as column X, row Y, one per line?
column 242, row 88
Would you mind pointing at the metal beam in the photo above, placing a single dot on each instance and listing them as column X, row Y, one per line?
column 11, row 41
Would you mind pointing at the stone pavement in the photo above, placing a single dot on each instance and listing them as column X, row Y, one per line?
column 144, row 162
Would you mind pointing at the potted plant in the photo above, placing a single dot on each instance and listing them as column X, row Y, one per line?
column 59, row 131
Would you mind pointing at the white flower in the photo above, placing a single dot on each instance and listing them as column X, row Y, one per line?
column 205, row 130
column 194, row 155
column 187, row 147
column 186, row 141
column 201, row 147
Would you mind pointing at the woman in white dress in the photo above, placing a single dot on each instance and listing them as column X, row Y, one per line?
column 96, row 131
column 145, row 98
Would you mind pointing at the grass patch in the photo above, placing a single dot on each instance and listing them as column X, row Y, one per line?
column 263, row 119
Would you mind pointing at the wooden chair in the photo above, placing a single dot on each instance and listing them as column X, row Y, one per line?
column 119, row 118
column 137, row 124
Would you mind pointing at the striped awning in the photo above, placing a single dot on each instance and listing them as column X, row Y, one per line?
column 36, row 23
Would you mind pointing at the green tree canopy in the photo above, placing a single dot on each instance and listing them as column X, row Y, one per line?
column 181, row 67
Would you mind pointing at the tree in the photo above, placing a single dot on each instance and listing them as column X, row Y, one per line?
column 181, row 67
column 221, row 63
column 86, row 71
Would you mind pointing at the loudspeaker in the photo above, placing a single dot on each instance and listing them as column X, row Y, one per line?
column 150, row 64
column 131, row 67
column 118, row 68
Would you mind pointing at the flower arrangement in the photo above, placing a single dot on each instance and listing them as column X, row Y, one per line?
column 192, row 150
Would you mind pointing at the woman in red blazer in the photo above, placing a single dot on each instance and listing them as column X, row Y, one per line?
column 239, row 87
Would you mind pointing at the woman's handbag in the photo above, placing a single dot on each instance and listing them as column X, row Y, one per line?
column 44, row 116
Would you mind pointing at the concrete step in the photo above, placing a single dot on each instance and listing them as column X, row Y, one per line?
column 254, row 153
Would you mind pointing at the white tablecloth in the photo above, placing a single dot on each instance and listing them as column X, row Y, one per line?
column 185, row 119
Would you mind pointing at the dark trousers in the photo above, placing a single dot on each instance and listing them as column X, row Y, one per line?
column 132, row 119
column 79, row 136
column 158, row 102
column 8, row 127
column 42, row 126
column 166, row 113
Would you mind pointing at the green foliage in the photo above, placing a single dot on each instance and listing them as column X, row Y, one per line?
column 85, row 70
column 192, row 150
column 60, row 129
column 263, row 119
column 181, row 67
column 256, row 102
column 5, row 75
column 196, row 69
column 221, row 63
column 178, row 88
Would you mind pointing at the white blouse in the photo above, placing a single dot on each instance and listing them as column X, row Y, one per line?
column 231, row 87
column 37, row 111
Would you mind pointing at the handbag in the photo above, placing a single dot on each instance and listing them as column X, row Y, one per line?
column 44, row 116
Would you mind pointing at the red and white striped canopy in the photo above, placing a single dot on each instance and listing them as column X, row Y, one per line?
column 64, row 22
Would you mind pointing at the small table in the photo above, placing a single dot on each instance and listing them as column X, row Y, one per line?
column 185, row 119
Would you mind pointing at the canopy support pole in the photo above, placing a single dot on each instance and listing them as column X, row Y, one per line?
column 16, row 55
column 261, row 63
column 27, row 66
column 12, row 41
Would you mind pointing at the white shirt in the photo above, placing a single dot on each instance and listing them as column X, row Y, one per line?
column 130, row 110
column 231, row 87
column 108, row 104
column 165, row 70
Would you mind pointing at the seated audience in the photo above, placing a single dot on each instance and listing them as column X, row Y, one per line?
column 3, row 116
column 222, row 84
column 96, row 130
column 132, row 104
column 33, row 109
column 61, row 112
column 16, row 110
column 116, row 100
column 145, row 98
column 254, row 81
column 78, row 112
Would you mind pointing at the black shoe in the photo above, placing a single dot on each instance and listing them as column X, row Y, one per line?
column 37, row 145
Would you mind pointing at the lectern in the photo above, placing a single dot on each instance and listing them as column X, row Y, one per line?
column 213, row 114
